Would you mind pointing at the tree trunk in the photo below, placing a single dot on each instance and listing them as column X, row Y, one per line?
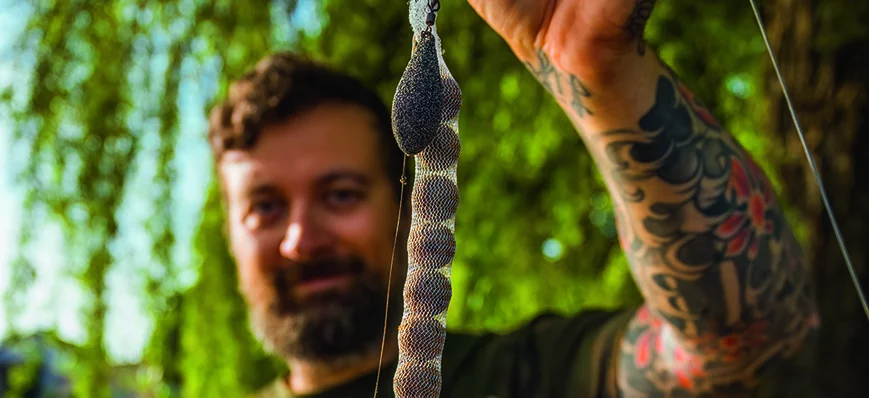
column 823, row 51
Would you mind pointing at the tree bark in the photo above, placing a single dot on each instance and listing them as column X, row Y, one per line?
column 823, row 51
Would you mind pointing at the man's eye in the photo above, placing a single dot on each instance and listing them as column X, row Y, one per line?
column 262, row 213
column 265, row 207
column 343, row 197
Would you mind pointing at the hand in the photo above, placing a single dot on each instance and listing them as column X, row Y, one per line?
column 577, row 35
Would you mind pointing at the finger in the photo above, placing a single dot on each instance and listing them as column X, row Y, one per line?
column 517, row 21
column 480, row 6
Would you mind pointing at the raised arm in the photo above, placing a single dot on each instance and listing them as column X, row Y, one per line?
column 727, row 298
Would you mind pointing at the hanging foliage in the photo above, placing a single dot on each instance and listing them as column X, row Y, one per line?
column 96, row 127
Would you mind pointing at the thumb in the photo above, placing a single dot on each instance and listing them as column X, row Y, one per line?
column 518, row 22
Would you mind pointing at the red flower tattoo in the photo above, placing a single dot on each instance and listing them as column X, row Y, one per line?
column 752, row 197
column 687, row 363
column 687, row 368
column 737, row 345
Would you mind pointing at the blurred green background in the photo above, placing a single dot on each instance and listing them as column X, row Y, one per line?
column 112, row 261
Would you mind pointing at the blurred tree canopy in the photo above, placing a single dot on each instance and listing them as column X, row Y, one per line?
column 823, row 49
column 109, row 125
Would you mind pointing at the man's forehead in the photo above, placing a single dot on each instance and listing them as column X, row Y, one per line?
column 238, row 169
column 307, row 147
column 239, row 159
column 328, row 130
column 242, row 173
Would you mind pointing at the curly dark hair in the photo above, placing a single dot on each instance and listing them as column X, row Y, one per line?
column 286, row 84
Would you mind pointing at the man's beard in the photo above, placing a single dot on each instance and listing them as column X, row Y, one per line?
column 333, row 327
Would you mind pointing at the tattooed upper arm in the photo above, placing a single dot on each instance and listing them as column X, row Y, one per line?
column 725, row 283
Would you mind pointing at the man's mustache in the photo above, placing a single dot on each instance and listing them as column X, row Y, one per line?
column 300, row 272
column 290, row 275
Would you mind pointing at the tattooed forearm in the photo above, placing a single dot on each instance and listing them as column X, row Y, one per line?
column 724, row 280
column 550, row 77
column 545, row 72
column 578, row 94
column 636, row 23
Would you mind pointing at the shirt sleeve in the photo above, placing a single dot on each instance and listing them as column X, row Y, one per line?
column 552, row 356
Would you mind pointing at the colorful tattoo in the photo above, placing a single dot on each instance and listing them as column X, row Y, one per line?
column 728, row 303
column 723, row 277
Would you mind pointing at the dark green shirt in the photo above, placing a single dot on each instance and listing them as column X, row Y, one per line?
column 550, row 357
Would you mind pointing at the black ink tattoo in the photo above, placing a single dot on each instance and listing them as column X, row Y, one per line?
column 578, row 91
column 549, row 76
column 544, row 71
column 637, row 22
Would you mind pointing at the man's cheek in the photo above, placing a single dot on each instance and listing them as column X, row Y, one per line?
column 254, row 285
column 373, row 236
column 249, row 259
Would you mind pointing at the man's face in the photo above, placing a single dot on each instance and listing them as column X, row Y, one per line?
column 311, row 216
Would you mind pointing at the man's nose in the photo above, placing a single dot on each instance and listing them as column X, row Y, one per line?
column 305, row 236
